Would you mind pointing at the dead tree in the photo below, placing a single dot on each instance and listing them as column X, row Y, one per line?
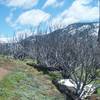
column 98, row 47
column 75, row 55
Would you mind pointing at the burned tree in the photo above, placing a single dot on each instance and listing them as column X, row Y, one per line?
column 98, row 47
column 76, row 58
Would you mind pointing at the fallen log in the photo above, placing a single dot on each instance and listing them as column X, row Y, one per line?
column 41, row 67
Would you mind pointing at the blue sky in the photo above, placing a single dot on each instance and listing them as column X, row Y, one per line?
column 17, row 16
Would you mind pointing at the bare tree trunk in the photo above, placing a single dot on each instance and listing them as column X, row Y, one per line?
column 99, row 36
column 98, row 47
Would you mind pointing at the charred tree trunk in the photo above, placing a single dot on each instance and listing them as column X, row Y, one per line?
column 98, row 47
column 99, row 36
column 68, row 92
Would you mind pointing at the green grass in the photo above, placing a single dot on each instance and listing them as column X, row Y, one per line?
column 98, row 90
column 55, row 75
column 26, row 83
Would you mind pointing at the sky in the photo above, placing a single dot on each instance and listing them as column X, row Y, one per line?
column 20, row 16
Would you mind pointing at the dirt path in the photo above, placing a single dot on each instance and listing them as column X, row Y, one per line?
column 3, row 73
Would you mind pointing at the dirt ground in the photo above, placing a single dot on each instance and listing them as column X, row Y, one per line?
column 3, row 72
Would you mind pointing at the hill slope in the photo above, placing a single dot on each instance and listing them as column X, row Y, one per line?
column 27, row 46
column 21, row 82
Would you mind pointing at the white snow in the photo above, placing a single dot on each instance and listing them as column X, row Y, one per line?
column 95, row 31
column 88, row 89
column 67, row 82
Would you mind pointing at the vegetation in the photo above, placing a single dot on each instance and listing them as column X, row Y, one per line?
column 74, row 51
column 26, row 83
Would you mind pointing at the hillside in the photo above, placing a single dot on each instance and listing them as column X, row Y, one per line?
column 74, row 31
column 70, row 50
column 19, row 81
column 28, row 45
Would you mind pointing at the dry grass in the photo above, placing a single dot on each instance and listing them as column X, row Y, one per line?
column 25, row 83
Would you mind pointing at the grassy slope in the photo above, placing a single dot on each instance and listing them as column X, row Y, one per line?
column 26, row 83
column 98, row 90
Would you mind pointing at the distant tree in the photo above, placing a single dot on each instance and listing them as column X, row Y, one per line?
column 18, row 46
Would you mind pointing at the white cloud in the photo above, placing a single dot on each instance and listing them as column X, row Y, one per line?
column 32, row 17
column 20, row 34
column 54, row 3
column 9, row 19
column 25, row 4
column 80, row 10
column 5, row 39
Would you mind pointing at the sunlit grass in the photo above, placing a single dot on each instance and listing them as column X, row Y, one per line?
column 26, row 83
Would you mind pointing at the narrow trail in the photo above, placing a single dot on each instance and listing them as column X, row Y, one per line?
column 4, row 71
